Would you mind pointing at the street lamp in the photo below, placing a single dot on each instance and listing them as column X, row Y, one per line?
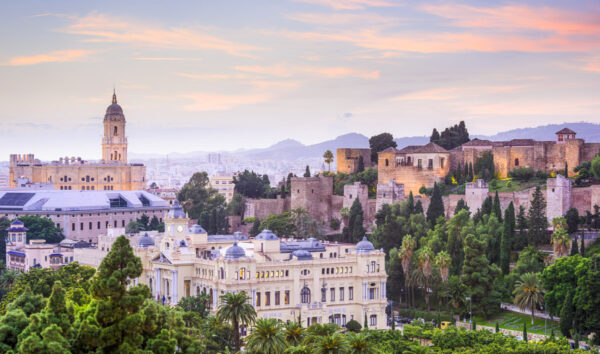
column 468, row 298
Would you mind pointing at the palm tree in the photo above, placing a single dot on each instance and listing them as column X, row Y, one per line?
column 405, row 253
column 443, row 261
column 560, row 242
column 298, row 349
column 236, row 309
column 293, row 333
column 360, row 343
column 267, row 337
column 335, row 343
column 529, row 293
column 317, row 330
column 328, row 156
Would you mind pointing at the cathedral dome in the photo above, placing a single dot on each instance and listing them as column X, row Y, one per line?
column 146, row 241
column 266, row 235
column 176, row 211
column 302, row 255
column 364, row 246
column 197, row 229
column 114, row 112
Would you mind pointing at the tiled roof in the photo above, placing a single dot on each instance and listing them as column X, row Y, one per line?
column 390, row 149
column 423, row 149
column 565, row 131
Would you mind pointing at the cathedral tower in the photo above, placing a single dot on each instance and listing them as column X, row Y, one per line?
column 114, row 142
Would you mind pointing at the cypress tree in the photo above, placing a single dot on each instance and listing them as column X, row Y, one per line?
column 508, row 234
column 471, row 175
column 496, row 207
column 436, row 206
column 538, row 222
column 566, row 170
column 361, row 164
column 255, row 228
column 486, row 207
column 419, row 207
column 466, row 172
column 411, row 203
column 435, row 136
column 574, row 247
column 458, row 173
column 566, row 316
column 355, row 231
column 307, row 171
column 497, row 328
column 576, row 339
column 582, row 247
column 461, row 205
column 474, row 326
column 366, row 324
column 525, row 332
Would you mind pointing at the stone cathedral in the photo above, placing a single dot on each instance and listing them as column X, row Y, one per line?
column 73, row 173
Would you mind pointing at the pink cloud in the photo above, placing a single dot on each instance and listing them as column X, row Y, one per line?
column 219, row 102
column 101, row 28
column 59, row 56
column 285, row 70
column 350, row 4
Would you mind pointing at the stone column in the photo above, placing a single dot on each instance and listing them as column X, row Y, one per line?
column 174, row 286
column 157, row 282
column 215, row 299
column 253, row 297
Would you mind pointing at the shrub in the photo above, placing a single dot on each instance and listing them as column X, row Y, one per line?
column 353, row 326
column 542, row 175
column 522, row 173
column 334, row 224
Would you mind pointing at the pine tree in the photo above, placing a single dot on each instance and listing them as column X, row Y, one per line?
column 538, row 223
column 508, row 234
column 480, row 276
column 574, row 247
column 411, row 203
column 307, row 171
column 496, row 207
column 418, row 207
column 436, row 206
column 118, row 308
column 566, row 316
column 361, row 164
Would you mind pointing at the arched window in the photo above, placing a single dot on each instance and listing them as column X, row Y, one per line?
column 116, row 131
column 305, row 295
column 116, row 155
column 517, row 162
column 387, row 162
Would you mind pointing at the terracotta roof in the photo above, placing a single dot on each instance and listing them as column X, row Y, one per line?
column 519, row 142
column 390, row 149
column 565, row 131
column 478, row 142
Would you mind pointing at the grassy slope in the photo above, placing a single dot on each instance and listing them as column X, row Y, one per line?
column 515, row 321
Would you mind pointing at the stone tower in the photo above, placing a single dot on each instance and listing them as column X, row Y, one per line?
column 558, row 196
column 114, row 142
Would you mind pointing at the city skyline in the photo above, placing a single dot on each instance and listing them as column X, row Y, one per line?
column 225, row 76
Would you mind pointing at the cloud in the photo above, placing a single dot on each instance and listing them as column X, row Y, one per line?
column 350, row 4
column 286, row 70
column 218, row 102
column 343, row 18
column 451, row 93
column 214, row 76
column 511, row 18
column 59, row 56
column 165, row 59
column 101, row 28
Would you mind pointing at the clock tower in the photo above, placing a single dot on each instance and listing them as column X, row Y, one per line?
column 114, row 142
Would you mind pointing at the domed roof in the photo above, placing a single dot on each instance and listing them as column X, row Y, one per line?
column 266, row 235
column 146, row 241
column 114, row 112
column 176, row 211
column 17, row 223
column 17, row 226
column 235, row 252
column 364, row 246
column 239, row 236
column 197, row 229
column 302, row 255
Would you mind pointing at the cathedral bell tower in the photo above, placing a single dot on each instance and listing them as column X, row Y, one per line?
column 114, row 142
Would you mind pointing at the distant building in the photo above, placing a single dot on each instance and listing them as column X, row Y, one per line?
column 347, row 159
column 22, row 255
column 82, row 215
column 223, row 183
column 214, row 159
column 70, row 173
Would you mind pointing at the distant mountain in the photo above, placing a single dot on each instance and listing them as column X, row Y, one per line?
column 412, row 140
column 290, row 149
column 590, row 132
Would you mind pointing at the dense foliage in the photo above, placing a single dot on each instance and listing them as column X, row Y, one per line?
column 379, row 143
column 204, row 204
column 451, row 137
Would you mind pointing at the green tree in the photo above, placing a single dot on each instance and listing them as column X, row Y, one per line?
column 354, row 231
column 199, row 200
column 198, row 304
column 251, row 185
column 496, row 209
column 451, row 137
column 508, row 234
column 586, row 299
column 461, row 205
column 294, row 332
column 361, row 164
column 267, row 337
column 582, row 246
column 379, row 143
column 525, row 337
column 281, row 224
column 560, row 242
column 328, row 156
column 236, row 309
column 4, row 224
column 537, row 221
column 436, row 206
column 560, row 279
column 237, row 205
column 133, row 227
column 117, row 314
column 255, row 230
column 529, row 293
column 154, row 224
column 360, row 343
column 419, row 207
column 531, row 260
column 411, row 203
column 574, row 247
column 566, row 316
column 479, row 276
column 572, row 217
column 41, row 229
column 331, row 344
column 307, row 171
column 144, row 222
column 458, row 227
column 595, row 167
column 353, row 326
column 484, row 167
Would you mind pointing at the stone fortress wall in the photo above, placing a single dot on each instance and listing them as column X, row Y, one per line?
column 347, row 159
